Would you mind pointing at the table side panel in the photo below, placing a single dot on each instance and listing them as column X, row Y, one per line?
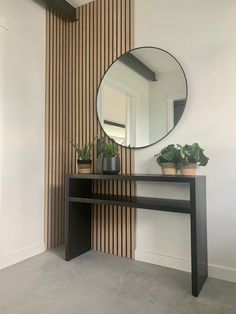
column 198, row 234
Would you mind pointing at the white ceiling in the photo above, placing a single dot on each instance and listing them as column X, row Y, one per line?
column 77, row 3
column 157, row 60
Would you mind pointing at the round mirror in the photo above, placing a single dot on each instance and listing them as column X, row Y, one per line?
column 142, row 97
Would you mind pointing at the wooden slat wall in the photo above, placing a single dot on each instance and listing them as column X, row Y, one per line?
column 78, row 54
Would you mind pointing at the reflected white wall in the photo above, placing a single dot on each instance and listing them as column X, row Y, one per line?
column 169, row 85
column 138, row 89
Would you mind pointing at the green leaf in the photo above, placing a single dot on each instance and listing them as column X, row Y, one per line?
column 168, row 154
column 192, row 154
column 83, row 151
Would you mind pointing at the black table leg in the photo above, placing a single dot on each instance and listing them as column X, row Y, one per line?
column 78, row 220
column 198, row 235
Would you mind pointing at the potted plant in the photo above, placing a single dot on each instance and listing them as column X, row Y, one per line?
column 191, row 156
column 167, row 159
column 111, row 158
column 84, row 161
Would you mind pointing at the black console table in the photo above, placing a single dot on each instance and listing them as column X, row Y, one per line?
column 78, row 214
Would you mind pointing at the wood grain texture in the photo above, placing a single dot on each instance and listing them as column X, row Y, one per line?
column 78, row 54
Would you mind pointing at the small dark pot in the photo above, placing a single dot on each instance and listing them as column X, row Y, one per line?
column 111, row 165
column 84, row 166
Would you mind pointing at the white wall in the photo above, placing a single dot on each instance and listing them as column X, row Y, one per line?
column 2, row 39
column 200, row 34
column 22, row 178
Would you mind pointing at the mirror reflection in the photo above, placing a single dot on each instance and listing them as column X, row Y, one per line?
column 142, row 97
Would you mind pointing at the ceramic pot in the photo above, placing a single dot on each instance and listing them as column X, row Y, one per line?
column 168, row 169
column 188, row 170
column 111, row 165
column 84, row 166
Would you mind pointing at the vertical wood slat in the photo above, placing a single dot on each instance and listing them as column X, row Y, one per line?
column 47, row 101
column 78, row 54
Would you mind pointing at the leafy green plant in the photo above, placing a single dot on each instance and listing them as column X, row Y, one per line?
column 168, row 154
column 83, row 151
column 192, row 154
column 111, row 149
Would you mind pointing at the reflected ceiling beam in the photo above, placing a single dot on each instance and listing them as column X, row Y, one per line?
column 138, row 66
column 64, row 8
column 118, row 125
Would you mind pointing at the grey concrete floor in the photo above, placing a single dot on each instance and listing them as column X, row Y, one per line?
column 104, row 284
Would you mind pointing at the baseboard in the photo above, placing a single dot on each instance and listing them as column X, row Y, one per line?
column 223, row 273
column 215, row 271
column 163, row 260
column 16, row 257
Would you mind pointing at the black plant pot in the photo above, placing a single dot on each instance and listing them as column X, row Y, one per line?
column 111, row 165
